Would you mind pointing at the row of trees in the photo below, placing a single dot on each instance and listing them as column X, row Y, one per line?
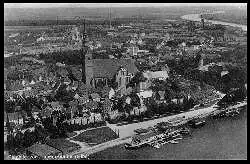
column 27, row 138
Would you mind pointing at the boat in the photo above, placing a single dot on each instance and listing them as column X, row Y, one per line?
column 140, row 140
column 173, row 142
column 151, row 137
column 185, row 131
column 195, row 123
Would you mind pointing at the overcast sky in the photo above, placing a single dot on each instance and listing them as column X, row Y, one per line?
column 49, row 5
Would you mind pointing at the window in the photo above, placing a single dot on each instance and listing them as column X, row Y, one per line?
column 120, row 81
column 123, row 73
column 127, row 79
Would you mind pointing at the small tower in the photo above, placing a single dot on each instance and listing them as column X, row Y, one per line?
column 84, row 51
column 202, row 23
column 89, row 70
column 201, row 61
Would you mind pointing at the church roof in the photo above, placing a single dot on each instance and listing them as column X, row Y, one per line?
column 108, row 67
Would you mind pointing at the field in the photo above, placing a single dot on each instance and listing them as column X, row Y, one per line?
column 96, row 136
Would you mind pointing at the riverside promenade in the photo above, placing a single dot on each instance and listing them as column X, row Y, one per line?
column 127, row 131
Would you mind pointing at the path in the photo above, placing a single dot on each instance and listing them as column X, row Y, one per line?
column 126, row 131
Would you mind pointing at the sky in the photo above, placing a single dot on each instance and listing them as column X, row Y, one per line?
column 49, row 5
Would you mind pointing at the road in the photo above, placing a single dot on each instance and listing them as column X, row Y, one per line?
column 91, row 150
column 126, row 131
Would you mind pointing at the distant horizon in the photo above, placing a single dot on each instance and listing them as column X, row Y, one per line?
column 116, row 5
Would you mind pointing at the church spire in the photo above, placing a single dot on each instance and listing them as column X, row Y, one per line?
column 84, row 51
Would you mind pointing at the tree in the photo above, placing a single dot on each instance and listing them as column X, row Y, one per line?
column 107, row 105
column 151, row 105
column 135, row 100
column 29, row 138
column 136, row 79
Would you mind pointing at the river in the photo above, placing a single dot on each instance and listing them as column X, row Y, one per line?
column 223, row 138
column 196, row 17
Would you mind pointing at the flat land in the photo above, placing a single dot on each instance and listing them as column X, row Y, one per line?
column 96, row 136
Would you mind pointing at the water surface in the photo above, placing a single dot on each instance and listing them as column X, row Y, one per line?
column 223, row 138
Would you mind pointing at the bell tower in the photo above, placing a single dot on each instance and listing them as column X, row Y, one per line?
column 84, row 51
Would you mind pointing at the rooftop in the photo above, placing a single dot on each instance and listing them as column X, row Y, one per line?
column 108, row 67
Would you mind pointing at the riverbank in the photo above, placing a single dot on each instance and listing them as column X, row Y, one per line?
column 223, row 138
column 197, row 17
column 127, row 131
column 225, row 18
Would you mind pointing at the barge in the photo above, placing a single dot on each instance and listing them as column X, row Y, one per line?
column 195, row 123
column 162, row 132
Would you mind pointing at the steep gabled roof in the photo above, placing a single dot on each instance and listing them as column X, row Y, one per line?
column 108, row 67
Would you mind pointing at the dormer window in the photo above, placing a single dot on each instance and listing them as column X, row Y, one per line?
column 123, row 73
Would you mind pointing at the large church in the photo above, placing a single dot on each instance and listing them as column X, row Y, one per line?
column 104, row 70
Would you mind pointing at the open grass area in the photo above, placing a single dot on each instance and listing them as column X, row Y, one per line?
column 96, row 136
column 71, row 134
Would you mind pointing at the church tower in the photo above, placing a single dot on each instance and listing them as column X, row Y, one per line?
column 89, row 69
column 84, row 51
column 202, row 23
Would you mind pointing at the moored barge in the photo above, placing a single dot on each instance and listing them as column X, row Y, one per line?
column 162, row 131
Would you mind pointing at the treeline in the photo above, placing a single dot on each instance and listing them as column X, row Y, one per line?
column 67, row 57
column 98, row 21
column 50, row 22
column 238, row 56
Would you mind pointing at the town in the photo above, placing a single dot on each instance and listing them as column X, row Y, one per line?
column 72, row 87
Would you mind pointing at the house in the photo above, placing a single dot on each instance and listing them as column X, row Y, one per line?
column 40, row 39
column 91, row 105
column 145, row 94
column 95, row 97
column 224, row 73
column 111, row 93
column 133, row 50
column 74, row 85
column 149, row 75
column 15, row 117
column 56, row 106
